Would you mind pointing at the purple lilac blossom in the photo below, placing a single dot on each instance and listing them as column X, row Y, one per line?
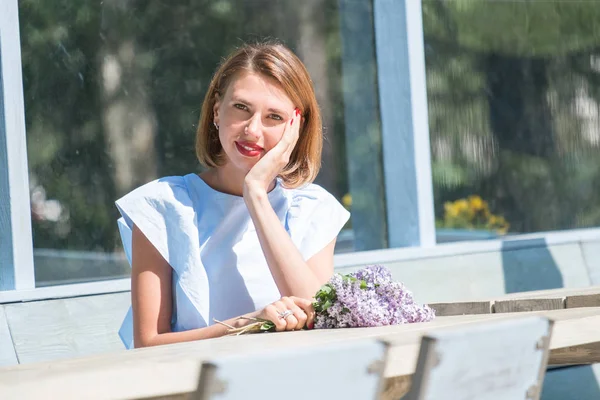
column 369, row 297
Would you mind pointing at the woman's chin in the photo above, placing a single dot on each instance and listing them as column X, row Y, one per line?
column 244, row 166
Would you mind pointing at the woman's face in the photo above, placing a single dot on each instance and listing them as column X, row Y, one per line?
column 251, row 116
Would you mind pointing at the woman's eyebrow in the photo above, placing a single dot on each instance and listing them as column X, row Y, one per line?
column 240, row 100
column 276, row 111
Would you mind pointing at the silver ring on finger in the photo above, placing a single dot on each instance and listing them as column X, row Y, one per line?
column 285, row 314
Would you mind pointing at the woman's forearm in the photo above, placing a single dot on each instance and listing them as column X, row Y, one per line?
column 291, row 273
column 209, row 332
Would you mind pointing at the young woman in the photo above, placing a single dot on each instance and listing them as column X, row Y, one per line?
column 249, row 237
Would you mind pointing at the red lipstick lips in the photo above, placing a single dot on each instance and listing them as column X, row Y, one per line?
column 248, row 149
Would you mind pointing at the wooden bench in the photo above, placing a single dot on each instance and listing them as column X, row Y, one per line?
column 458, row 363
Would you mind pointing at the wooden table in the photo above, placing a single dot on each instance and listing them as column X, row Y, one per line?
column 174, row 369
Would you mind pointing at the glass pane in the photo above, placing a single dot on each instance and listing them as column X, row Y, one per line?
column 514, row 101
column 112, row 95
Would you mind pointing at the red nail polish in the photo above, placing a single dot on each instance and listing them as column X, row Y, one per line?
column 292, row 121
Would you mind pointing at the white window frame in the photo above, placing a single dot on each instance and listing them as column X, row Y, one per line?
column 16, row 245
column 400, row 211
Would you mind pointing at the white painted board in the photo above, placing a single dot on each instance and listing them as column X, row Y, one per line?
column 339, row 371
column 491, row 361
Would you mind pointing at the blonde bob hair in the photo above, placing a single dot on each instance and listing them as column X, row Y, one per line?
column 275, row 61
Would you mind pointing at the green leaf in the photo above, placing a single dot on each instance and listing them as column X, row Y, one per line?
column 267, row 326
column 363, row 285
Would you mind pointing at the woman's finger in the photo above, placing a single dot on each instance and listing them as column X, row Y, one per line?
column 292, row 130
column 290, row 138
column 295, row 130
column 307, row 307
column 299, row 314
column 282, row 150
column 291, row 322
column 272, row 314
column 286, row 314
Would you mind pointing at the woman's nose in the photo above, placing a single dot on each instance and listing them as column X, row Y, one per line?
column 254, row 126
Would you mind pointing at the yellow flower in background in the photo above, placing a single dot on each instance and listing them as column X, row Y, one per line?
column 347, row 200
column 476, row 203
column 472, row 213
column 450, row 209
column 462, row 204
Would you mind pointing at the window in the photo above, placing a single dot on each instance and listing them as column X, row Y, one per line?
column 113, row 91
column 514, row 115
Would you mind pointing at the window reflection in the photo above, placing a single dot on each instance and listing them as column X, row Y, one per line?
column 513, row 105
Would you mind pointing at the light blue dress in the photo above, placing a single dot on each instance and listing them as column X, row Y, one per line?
column 209, row 239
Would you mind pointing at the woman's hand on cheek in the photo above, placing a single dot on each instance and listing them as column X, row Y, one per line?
column 272, row 163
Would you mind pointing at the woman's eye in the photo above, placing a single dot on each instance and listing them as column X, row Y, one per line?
column 276, row 117
column 240, row 106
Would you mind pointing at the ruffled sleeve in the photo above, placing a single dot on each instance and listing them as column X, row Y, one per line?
column 314, row 219
column 163, row 210
column 158, row 209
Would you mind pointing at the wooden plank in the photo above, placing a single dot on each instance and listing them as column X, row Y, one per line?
column 65, row 328
column 177, row 366
column 465, row 308
column 586, row 300
column 461, row 363
column 578, row 341
column 535, row 301
column 511, row 306
column 16, row 248
column 343, row 370
column 396, row 387
column 573, row 355
column 7, row 350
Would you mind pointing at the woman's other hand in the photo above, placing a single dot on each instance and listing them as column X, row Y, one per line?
column 289, row 314
column 264, row 172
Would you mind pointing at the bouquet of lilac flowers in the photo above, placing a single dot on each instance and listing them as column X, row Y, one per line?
column 365, row 298
column 368, row 297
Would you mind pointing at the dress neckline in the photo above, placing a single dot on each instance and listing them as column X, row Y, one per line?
column 232, row 197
